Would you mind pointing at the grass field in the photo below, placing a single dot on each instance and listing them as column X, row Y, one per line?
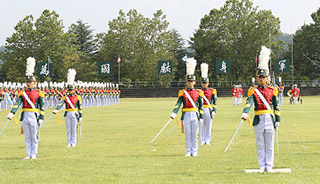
column 115, row 147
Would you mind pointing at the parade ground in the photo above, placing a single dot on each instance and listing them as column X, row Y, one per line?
column 115, row 147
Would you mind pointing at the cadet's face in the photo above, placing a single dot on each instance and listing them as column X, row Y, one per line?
column 262, row 80
column 191, row 83
column 71, row 91
column 205, row 84
column 30, row 84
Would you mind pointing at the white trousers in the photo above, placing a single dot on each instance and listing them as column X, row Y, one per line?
column 30, row 130
column 235, row 100
column 191, row 124
column 295, row 100
column 206, row 127
column 264, row 133
column 280, row 98
column 71, row 125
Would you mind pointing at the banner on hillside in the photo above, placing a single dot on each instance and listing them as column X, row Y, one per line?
column 164, row 67
column 223, row 66
column 282, row 65
column 105, row 68
column 44, row 69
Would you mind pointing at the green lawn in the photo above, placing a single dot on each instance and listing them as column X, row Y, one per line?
column 115, row 147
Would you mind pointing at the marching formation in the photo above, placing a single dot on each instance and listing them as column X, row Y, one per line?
column 92, row 93
column 199, row 107
column 69, row 96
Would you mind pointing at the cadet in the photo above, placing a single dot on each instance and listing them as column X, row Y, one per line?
column 192, row 112
column 73, row 113
column 209, row 107
column 32, row 101
column 265, row 98
column 280, row 95
column 234, row 93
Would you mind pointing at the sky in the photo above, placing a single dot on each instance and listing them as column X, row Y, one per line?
column 183, row 15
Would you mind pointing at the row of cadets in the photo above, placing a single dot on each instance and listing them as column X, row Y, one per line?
column 9, row 93
column 32, row 101
column 93, row 93
column 98, row 94
column 192, row 112
column 73, row 113
column 209, row 106
column 266, row 111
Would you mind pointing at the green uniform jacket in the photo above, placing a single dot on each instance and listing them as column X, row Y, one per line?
column 182, row 100
column 253, row 99
column 38, row 105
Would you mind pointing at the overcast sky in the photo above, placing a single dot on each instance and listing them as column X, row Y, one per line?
column 183, row 15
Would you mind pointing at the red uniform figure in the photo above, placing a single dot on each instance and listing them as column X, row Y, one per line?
column 235, row 95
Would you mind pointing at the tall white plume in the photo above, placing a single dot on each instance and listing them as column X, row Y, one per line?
column 253, row 79
column 31, row 63
column 71, row 76
column 264, row 58
column 204, row 70
column 279, row 79
column 191, row 66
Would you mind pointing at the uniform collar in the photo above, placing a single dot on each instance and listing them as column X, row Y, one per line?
column 205, row 88
column 190, row 88
column 31, row 89
column 262, row 86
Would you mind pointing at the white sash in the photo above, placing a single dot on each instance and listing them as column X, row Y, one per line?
column 263, row 99
column 69, row 102
column 190, row 99
column 28, row 100
column 205, row 98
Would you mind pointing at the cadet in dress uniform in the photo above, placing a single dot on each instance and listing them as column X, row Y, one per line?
column 280, row 95
column 264, row 98
column 295, row 92
column 73, row 113
column 192, row 113
column 209, row 107
column 234, row 93
column 32, row 101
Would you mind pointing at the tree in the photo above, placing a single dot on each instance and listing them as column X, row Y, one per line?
column 41, row 39
column 235, row 32
column 140, row 42
column 307, row 49
column 85, row 37
column 85, row 60
column 179, row 53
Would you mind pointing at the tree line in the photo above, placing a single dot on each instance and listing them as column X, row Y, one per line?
column 236, row 32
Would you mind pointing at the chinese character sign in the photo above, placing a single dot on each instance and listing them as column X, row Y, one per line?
column 45, row 69
column 282, row 65
column 105, row 68
column 223, row 66
column 164, row 67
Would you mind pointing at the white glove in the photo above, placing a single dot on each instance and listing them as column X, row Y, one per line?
column 40, row 121
column 277, row 124
column 80, row 119
column 213, row 114
column 55, row 111
column 173, row 115
column 10, row 116
column 244, row 116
